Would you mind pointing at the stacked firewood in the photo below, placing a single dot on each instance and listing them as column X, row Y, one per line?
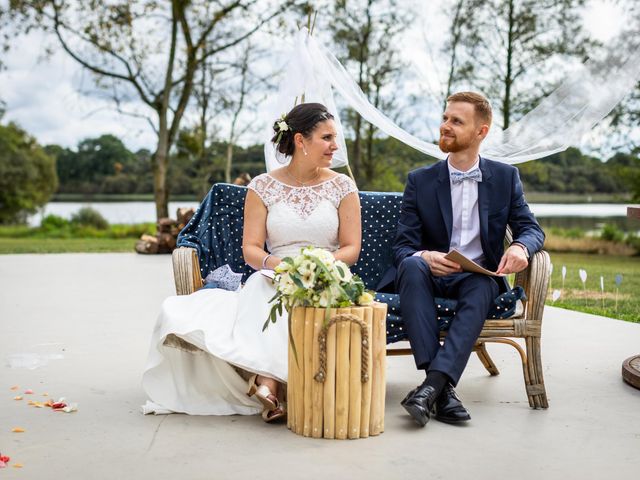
column 168, row 228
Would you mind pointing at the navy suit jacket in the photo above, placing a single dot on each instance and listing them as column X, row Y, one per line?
column 426, row 216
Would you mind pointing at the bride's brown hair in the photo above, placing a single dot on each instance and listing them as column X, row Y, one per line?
column 303, row 118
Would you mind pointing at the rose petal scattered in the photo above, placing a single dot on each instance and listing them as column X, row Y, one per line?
column 38, row 404
column 3, row 464
column 48, row 403
column 28, row 392
column 15, row 387
column 17, row 465
column 45, row 394
column 17, row 430
column 4, row 458
column 17, row 397
column 72, row 407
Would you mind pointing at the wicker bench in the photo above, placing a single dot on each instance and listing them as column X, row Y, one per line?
column 213, row 238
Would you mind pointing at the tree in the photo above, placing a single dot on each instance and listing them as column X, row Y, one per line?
column 148, row 51
column 27, row 175
column 365, row 32
column 626, row 116
column 511, row 49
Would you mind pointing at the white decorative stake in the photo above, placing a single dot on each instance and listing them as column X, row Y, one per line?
column 555, row 295
column 583, row 277
column 551, row 276
column 564, row 274
column 602, row 289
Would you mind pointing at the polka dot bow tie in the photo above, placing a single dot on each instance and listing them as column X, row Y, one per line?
column 458, row 177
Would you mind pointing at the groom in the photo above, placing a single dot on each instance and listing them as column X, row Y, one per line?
column 463, row 203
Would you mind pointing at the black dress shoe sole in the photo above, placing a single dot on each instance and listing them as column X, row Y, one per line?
column 417, row 413
column 452, row 420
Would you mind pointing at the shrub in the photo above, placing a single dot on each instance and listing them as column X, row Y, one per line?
column 89, row 217
column 633, row 241
column 53, row 222
column 612, row 233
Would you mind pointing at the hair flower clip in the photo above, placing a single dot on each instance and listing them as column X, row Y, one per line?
column 282, row 127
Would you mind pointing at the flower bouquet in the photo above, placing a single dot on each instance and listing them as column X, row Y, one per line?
column 315, row 279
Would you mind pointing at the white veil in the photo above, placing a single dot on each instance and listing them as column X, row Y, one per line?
column 560, row 120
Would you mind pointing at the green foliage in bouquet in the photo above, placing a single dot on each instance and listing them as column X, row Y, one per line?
column 315, row 279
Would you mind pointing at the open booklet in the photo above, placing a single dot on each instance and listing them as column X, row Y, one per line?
column 469, row 265
column 268, row 273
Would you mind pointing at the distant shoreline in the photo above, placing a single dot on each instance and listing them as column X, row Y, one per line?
column 532, row 197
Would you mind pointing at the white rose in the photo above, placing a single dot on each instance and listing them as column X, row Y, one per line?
column 282, row 126
column 282, row 267
column 365, row 299
column 286, row 285
column 324, row 298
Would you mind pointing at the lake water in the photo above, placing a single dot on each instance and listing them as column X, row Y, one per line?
column 587, row 215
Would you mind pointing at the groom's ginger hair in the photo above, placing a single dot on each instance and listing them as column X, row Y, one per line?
column 479, row 102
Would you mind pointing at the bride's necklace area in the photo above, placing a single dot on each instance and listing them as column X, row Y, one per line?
column 306, row 182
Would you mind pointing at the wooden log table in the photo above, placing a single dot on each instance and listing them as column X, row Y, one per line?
column 336, row 385
column 631, row 366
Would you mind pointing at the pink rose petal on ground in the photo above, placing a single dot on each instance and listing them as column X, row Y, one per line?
column 3, row 465
column 17, row 398
column 28, row 392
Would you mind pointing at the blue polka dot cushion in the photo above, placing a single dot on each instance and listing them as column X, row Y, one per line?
column 215, row 231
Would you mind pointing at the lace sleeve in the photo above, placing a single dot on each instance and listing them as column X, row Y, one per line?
column 261, row 186
column 345, row 186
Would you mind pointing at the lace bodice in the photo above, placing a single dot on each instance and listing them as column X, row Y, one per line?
column 301, row 216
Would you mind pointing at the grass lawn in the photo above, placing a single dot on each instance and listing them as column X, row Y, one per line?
column 65, row 245
column 590, row 299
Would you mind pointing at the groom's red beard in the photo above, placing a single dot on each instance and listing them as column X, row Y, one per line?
column 452, row 144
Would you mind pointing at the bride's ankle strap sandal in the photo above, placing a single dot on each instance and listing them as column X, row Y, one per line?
column 263, row 394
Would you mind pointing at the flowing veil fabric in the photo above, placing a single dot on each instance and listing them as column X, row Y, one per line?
column 560, row 120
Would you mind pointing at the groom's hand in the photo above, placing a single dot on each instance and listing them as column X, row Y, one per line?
column 514, row 260
column 439, row 265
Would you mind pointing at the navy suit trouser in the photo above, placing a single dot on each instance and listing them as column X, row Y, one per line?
column 418, row 287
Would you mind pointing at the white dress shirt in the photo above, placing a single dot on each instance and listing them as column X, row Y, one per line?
column 465, row 232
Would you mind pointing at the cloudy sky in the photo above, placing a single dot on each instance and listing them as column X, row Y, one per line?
column 51, row 97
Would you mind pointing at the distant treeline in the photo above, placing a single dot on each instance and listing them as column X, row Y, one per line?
column 104, row 165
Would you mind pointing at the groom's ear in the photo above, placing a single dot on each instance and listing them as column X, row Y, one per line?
column 483, row 131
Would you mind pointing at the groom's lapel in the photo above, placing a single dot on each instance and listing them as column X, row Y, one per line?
column 444, row 198
column 484, row 188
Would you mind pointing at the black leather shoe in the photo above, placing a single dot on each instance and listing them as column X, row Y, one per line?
column 419, row 403
column 449, row 408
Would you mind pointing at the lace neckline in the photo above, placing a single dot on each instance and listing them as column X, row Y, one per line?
column 302, row 186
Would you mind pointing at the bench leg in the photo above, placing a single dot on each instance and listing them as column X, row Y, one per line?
column 483, row 355
column 534, row 384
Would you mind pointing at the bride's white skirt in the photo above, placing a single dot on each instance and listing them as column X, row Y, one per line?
column 226, row 329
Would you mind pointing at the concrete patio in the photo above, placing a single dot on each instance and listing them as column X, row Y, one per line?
column 98, row 310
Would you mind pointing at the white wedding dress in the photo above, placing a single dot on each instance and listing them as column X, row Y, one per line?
column 199, row 338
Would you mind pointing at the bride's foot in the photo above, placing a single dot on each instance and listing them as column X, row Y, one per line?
column 273, row 415
column 263, row 388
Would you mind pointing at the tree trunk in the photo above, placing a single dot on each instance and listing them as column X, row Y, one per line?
column 160, row 162
column 508, row 80
column 227, row 168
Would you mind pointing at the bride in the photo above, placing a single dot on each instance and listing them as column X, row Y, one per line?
column 303, row 203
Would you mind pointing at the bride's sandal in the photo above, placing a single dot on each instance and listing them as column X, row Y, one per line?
column 263, row 394
column 273, row 415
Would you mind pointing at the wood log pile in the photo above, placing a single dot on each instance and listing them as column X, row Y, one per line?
column 165, row 240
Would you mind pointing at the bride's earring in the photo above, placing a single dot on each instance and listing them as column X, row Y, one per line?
column 304, row 150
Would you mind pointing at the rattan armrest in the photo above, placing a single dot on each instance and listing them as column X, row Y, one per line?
column 535, row 282
column 186, row 270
